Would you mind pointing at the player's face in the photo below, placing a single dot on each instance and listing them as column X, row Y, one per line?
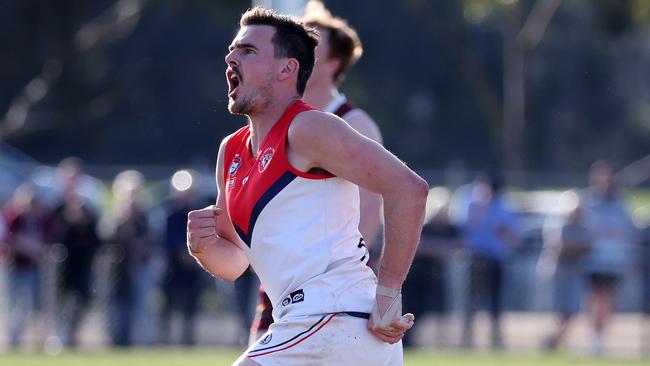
column 250, row 72
column 324, row 67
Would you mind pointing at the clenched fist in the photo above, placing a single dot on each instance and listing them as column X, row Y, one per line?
column 386, row 321
column 202, row 228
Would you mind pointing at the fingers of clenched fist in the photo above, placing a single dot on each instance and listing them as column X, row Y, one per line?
column 202, row 228
column 395, row 331
column 386, row 321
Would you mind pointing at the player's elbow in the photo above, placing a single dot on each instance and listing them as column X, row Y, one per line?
column 232, row 275
column 418, row 188
column 194, row 254
column 228, row 278
column 407, row 189
column 227, row 271
column 228, row 274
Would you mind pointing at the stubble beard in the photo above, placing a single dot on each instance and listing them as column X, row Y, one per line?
column 252, row 104
column 240, row 106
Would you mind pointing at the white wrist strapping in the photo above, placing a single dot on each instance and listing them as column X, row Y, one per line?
column 395, row 307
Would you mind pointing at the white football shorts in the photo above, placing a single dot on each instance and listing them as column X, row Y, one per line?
column 340, row 339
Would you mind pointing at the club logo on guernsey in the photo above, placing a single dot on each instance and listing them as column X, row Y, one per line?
column 265, row 159
column 236, row 162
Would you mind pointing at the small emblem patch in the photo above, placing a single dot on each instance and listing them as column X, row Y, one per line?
column 265, row 159
column 266, row 339
column 294, row 297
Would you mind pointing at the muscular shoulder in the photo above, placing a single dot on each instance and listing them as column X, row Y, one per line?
column 312, row 124
column 315, row 134
column 364, row 124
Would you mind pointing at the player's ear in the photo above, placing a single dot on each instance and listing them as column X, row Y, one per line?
column 289, row 68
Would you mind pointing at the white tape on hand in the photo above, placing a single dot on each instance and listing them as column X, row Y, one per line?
column 394, row 308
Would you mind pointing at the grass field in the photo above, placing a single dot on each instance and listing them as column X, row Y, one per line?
column 224, row 357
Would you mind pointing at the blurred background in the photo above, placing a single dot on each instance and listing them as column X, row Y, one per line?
column 111, row 113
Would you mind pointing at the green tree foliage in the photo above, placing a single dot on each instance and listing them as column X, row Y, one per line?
column 141, row 82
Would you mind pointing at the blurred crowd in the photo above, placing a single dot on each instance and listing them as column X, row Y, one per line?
column 65, row 239
column 70, row 248
column 588, row 249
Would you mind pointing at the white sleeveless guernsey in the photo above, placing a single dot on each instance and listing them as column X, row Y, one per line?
column 300, row 229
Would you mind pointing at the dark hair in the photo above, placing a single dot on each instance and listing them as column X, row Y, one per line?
column 291, row 39
column 344, row 43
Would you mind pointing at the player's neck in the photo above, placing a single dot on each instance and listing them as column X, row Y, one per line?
column 320, row 96
column 262, row 122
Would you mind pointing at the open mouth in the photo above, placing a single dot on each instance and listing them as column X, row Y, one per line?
column 233, row 79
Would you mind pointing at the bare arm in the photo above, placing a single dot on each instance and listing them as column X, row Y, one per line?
column 321, row 140
column 211, row 238
column 370, row 221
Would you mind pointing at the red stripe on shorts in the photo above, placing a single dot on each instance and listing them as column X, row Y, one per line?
column 297, row 341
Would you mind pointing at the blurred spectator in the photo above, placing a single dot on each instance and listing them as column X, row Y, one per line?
column 3, row 227
column 127, row 230
column 4, row 248
column 645, row 244
column 564, row 250
column 183, row 278
column 73, row 225
column 608, row 220
column 489, row 233
column 26, row 248
column 425, row 288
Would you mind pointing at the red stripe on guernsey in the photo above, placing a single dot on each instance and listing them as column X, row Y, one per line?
column 251, row 182
column 293, row 341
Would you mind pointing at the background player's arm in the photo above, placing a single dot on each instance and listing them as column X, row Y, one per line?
column 370, row 220
column 362, row 123
column 211, row 238
column 322, row 140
